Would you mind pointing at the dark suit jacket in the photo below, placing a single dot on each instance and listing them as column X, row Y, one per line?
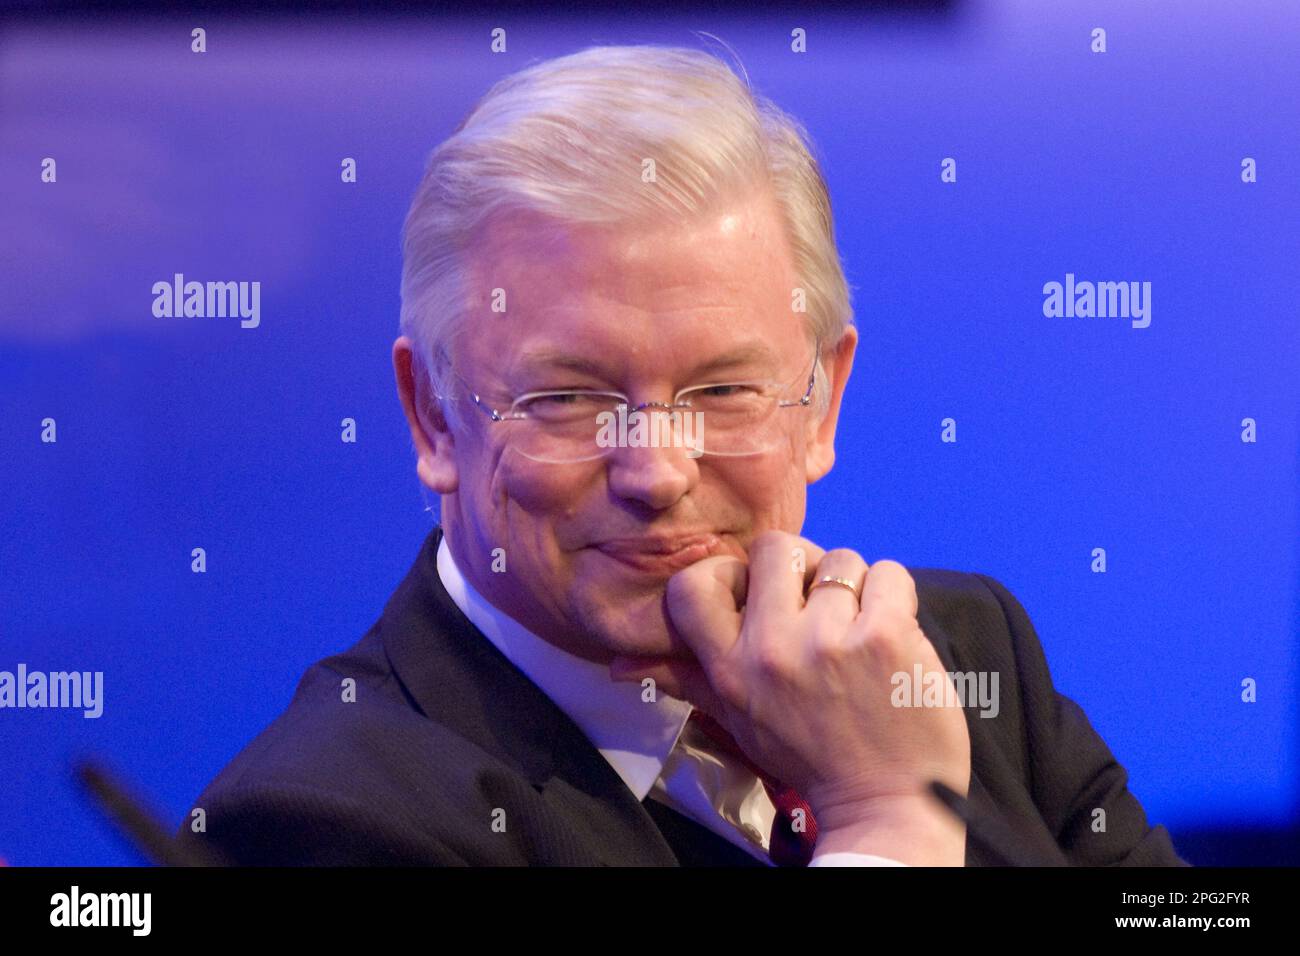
column 445, row 736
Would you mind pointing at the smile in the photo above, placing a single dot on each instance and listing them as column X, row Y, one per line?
column 661, row 555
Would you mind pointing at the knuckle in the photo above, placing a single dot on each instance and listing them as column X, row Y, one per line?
column 843, row 556
column 882, row 622
column 898, row 579
column 771, row 660
column 827, row 643
column 830, row 652
column 882, row 645
column 876, row 645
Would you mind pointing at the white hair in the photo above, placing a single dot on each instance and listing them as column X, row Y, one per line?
column 565, row 139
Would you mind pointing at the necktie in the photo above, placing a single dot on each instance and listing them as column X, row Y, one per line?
column 793, row 834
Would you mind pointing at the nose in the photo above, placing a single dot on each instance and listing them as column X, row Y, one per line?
column 656, row 477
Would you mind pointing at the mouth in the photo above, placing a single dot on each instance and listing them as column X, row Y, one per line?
column 661, row 555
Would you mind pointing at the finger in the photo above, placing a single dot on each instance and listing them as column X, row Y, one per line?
column 734, row 573
column 814, row 556
column 703, row 603
column 834, row 599
column 889, row 584
column 780, row 567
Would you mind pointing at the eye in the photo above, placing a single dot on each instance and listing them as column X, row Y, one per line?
column 723, row 391
column 564, row 405
column 729, row 392
column 550, row 401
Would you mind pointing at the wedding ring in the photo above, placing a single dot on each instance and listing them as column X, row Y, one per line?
column 842, row 582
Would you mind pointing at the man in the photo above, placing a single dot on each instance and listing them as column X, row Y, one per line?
column 626, row 339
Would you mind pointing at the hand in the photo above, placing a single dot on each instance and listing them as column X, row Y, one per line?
column 805, row 689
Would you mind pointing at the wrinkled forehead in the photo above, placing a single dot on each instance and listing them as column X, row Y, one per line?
column 628, row 297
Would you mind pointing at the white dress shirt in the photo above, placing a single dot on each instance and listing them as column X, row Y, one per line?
column 650, row 745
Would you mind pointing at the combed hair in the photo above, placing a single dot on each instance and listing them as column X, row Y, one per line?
column 565, row 139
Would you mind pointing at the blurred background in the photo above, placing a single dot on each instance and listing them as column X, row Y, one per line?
column 1073, row 433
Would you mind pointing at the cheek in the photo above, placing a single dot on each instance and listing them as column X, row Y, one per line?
column 769, row 488
column 770, row 477
column 541, row 490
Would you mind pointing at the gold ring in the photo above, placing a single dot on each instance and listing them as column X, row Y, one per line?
column 842, row 582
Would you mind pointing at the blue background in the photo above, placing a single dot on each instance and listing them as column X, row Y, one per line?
column 1073, row 433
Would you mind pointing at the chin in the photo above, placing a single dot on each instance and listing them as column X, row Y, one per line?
column 632, row 625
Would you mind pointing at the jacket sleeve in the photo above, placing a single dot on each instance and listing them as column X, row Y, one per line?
column 296, row 825
column 1073, row 773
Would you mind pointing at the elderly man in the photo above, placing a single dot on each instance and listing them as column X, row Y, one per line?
column 616, row 648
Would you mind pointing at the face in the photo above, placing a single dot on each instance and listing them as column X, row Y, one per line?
column 589, row 546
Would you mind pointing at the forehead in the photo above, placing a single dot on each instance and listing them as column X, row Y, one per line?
column 629, row 297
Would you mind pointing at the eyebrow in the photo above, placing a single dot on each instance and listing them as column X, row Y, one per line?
column 556, row 360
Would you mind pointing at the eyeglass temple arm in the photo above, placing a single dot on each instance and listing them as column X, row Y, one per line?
column 812, row 377
column 491, row 413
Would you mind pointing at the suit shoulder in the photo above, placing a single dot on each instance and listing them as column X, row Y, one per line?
column 949, row 585
column 352, row 771
column 968, row 610
column 350, row 729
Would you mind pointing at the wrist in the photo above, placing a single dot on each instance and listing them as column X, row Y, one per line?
column 915, row 831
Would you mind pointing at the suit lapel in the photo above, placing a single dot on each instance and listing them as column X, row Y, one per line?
column 457, row 677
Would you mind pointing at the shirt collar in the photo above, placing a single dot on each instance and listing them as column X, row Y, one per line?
column 634, row 736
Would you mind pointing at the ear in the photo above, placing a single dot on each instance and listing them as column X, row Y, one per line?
column 436, row 459
column 821, row 441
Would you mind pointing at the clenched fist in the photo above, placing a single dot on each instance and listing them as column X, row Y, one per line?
column 804, row 685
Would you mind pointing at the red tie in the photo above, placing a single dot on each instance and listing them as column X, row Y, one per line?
column 787, row 845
